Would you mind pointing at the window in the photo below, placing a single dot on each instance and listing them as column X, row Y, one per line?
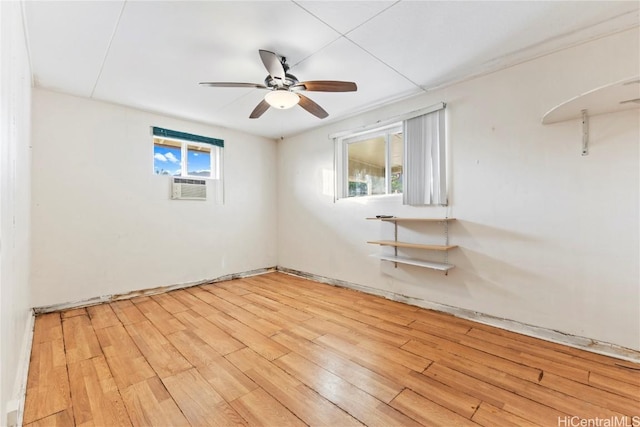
column 374, row 162
column 167, row 157
column 407, row 156
column 183, row 154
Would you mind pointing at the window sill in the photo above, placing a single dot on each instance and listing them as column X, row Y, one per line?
column 394, row 198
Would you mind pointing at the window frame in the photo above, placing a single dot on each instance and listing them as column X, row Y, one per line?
column 343, row 182
column 215, row 147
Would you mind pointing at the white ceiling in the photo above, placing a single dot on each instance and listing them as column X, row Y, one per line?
column 152, row 54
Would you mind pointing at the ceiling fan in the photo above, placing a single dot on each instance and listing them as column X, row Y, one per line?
column 284, row 88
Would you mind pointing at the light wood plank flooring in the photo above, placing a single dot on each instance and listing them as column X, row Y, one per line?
column 276, row 350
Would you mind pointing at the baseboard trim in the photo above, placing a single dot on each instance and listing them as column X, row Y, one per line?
column 583, row 343
column 147, row 292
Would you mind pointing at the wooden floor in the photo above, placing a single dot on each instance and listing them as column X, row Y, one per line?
column 276, row 350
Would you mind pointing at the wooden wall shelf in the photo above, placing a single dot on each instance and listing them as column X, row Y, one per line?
column 614, row 97
column 396, row 219
column 411, row 261
column 397, row 259
column 412, row 245
column 611, row 98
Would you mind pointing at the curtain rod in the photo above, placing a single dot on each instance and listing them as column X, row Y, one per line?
column 380, row 123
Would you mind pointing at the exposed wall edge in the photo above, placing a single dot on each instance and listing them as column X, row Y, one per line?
column 583, row 343
column 15, row 407
column 147, row 292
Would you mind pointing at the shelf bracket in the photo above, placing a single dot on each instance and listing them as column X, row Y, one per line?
column 585, row 133
column 395, row 239
column 446, row 242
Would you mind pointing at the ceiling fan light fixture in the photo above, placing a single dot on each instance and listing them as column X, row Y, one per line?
column 282, row 99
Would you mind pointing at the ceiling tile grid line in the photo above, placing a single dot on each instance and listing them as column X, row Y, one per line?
column 106, row 53
column 25, row 26
column 372, row 17
column 351, row 29
column 345, row 35
column 395, row 70
column 342, row 33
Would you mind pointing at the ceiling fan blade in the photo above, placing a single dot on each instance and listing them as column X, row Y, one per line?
column 231, row 84
column 326, row 86
column 259, row 110
column 312, row 107
column 272, row 63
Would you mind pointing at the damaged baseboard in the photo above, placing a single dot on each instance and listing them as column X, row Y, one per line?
column 582, row 343
column 147, row 292
column 555, row 336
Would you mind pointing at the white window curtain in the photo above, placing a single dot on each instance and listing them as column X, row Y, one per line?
column 425, row 164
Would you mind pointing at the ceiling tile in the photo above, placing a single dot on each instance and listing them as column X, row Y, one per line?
column 68, row 42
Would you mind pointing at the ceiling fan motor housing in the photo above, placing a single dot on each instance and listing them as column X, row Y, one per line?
column 274, row 83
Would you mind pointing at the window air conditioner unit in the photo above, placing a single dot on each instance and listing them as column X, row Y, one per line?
column 188, row 189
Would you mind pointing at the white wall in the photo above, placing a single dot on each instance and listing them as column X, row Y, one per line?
column 15, row 159
column 103, row 223
column 547, row 237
